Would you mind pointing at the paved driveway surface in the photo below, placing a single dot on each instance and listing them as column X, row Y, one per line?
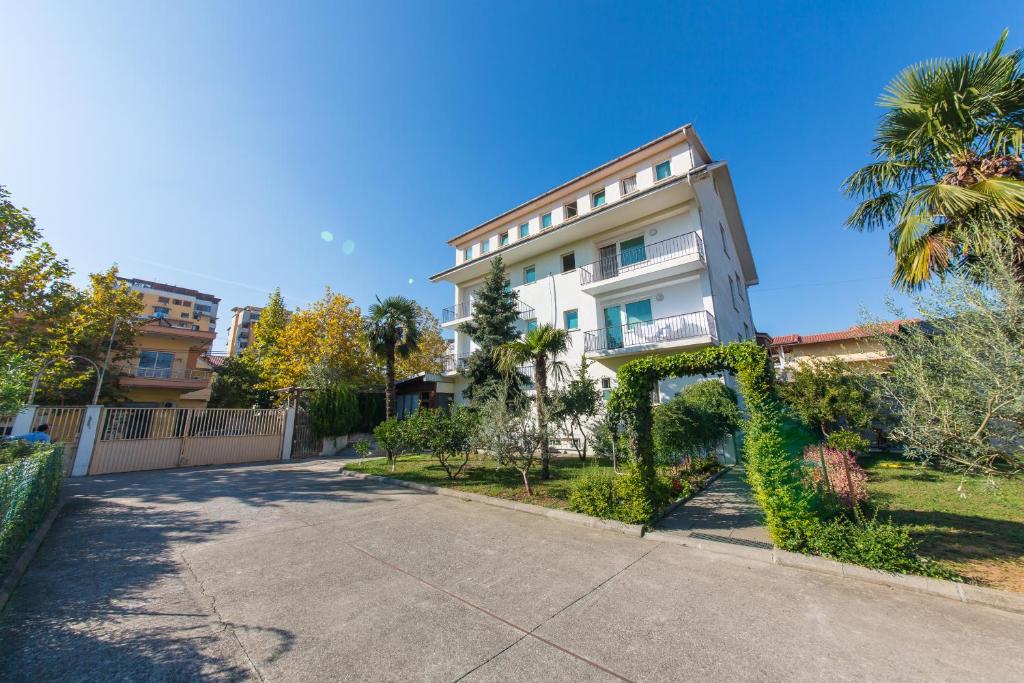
column 290, row 572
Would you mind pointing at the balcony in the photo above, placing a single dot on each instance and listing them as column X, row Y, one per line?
column 452, row 364
column 686, row 329
column 187, row 379
column 463, row 310
column 630, row 267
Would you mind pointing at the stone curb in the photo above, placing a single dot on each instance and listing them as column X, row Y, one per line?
column 20, row 565
column 683, row 501
column 560, row 515
column 961, row 592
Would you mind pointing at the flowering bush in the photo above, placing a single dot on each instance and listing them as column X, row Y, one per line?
column 842, row 475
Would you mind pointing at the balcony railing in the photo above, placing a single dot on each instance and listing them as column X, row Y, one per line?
column 465, row 309
column 184, row 375
column 635, row 258
column 452, row 363
column 672, row 328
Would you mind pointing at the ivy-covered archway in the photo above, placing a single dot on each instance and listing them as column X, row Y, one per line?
column 774, row 474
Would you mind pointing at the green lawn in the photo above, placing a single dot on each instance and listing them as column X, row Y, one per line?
column 483, row 477
column 973, row 525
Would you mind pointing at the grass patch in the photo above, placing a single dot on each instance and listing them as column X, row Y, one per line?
column 973, row 525
column 484, row 477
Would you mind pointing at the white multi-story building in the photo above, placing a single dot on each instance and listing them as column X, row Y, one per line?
column 240, row 331
column 644, row 254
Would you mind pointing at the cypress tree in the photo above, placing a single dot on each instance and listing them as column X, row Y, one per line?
column 493, row 323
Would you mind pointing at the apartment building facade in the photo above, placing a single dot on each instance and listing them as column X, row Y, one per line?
column 168, row 370
column 646, row 254
column 240, row 331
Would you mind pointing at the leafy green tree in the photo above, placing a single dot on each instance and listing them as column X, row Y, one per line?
column 236, row 382
column 36, row 295
column 508, row 432
column 947, row 180
column 447, row 435
column 827, row 395
column 493, row 324
column 956, row 382
column 391, row 332
column 696, row 420
column 576, row 407
column 393, row 437
column 14, row 383
column 541, row 346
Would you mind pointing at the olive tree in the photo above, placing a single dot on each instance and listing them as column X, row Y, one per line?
column 508, row 431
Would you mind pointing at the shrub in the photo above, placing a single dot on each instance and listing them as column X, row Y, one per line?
column 593, row 493
column 508, row 431
column 842, row 476
column 874, row 544
column 828, row 395
column 334, row 411
column 371, row 410
column 393, row 437
column 29, row 486
column 362, row 448
column 448, row 435
column 848, row 441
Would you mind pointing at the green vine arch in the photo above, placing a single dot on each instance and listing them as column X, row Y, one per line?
column 773, row 473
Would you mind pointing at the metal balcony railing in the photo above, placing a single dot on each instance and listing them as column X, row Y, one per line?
column 185, row 375
column 464, row 309
column 672, row 328
column 635, row 258
column 452, row 363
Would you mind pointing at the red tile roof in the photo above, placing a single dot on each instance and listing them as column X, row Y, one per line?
column 855, row 332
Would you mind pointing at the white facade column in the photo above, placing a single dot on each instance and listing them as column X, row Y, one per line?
column 289, row 433
column 23, row 421
column 87, row 440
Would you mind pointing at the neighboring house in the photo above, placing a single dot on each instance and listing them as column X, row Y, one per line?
column 425, row 390
column 240, row 331
column 168, row 370
column 646, row 254
column 857, row 345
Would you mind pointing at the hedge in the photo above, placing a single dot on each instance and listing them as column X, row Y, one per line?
column 773, row 473
column 29, row 486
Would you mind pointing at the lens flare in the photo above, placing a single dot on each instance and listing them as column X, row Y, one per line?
column 327, row 236
column 347, row 247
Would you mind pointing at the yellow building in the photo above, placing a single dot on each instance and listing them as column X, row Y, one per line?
column 856, row 345
column 169, row 369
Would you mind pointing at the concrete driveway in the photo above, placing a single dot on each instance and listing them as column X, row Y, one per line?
column 291, row 572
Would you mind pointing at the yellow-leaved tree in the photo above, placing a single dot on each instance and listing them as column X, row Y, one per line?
column 431, row 347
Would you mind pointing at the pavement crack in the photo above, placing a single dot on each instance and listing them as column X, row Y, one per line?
column 226, row 625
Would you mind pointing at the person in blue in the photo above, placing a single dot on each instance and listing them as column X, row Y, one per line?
column 39, row 435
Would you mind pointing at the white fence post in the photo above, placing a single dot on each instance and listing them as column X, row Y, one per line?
column 87, row 440
column 23, row 420
column 289, row 431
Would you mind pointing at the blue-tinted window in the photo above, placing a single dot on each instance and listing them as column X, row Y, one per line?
column 529, row 274
column 545, row 221
column 597, row 199
column 467, row 253
column 663, row 170
column 504, row 239
column 531, row 324
column 524, row 230
column 485, row 246
column 572, row 320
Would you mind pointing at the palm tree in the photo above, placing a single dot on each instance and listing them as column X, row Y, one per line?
column 947, row 179
column 540, row 346
column 391, row 331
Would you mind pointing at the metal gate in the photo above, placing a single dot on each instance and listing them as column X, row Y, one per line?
column 132, row 439
column 65, row 423
column 304, row 441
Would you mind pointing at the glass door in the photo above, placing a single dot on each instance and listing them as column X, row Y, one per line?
column 632, row 251
column 638, row 322
column 613, row 327
column 607, row 263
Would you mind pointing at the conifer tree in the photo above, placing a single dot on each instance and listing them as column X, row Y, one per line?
column 493, row 324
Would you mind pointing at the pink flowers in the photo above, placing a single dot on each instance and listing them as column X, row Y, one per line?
column 846, row 479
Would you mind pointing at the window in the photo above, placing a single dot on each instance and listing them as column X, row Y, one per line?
column 732, row 292
column 155, row 363
column 503, row 240
column 725, row 242
column 163, row 299
column 207, row 308
column 663, row 170
column 629, row 185
column 632, row 251
column 183, row 315
column 545, row 221
column 531, row 324
column 572, row 319
column 638, row 312
column 597, row 199
column 177, row 302
column 570, row 210
column 529, row 274
column 739, row 287
column 524, row 230
column 485, row 246
column 606, row 388
column 467, row 253
column 161, row 311
column 568, row 262
column 746, row 331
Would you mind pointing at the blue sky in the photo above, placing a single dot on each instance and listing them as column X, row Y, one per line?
column 210, row 144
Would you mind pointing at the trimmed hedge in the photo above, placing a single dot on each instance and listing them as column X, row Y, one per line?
column 773, row 473
column 29, row 486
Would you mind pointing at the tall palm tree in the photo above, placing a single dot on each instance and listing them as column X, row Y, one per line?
column 947, row 179
column 391, row 331
column 540, row 346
